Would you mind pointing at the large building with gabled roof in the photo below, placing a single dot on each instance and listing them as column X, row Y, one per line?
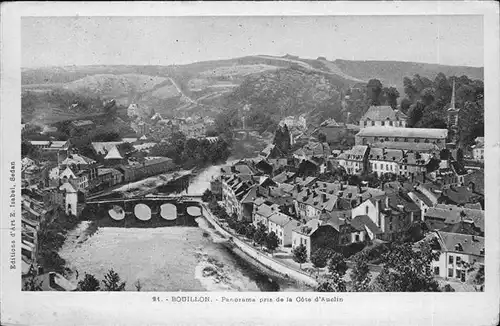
column 383, row 116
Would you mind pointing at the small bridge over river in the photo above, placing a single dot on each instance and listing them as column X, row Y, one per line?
column 146, row 211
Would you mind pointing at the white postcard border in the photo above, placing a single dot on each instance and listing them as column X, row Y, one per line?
column 137, row 308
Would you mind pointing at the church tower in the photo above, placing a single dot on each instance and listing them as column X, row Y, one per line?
column 453, row 118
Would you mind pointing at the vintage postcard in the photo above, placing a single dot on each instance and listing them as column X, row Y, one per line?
column 257, row 163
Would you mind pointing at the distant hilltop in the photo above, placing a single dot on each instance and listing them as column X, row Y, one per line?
column 208, row 87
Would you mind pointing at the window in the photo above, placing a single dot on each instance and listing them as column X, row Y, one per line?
column 417, row 140
column 390, row 123
column 450, row 259
column 459, row 274
column 386, row 138
column 406, row 140
column 459, row 260
column 383, row 123
column 356, row 237
column 387, row 167
column 396, row 139
column 426, row 140
column 436, row 270
column 450, row 272
column 373, row 123
column 367, row 208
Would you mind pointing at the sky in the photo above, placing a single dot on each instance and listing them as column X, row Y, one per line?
column 65, row 41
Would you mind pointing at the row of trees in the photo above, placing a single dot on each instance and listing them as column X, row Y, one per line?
column 191, row 152
column 89, row 283
column 405, row 269
column 427, row 102
column 259, row 235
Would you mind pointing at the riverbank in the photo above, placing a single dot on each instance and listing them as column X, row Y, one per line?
column 263, row 259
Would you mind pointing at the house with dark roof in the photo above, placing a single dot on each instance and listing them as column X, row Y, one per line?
column 372, row 135
column 457, row 253
column 382, row 160
column 284, row 177
column 421, row 200
column 459, row 196
column 383, row 116
column 355, row 160
column 393, row 213
column 309, row 204
column 442, row 216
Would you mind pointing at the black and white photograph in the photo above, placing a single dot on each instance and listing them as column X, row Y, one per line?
column 319, row 155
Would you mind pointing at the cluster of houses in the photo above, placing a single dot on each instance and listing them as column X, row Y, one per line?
column 429, row 189
column 158, row 127
column 66, row 177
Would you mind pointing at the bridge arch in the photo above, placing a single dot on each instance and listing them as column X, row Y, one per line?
column 142, row 212
column 117, row 213
column 168, row 211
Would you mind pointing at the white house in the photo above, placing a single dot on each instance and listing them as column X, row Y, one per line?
column 301, row 235
column 282, row 225
column 456, row 252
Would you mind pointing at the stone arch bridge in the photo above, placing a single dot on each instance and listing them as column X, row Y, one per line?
column 150, row 211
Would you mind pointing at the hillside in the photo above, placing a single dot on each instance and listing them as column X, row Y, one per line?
column 391, row 73
column 277, row 85
column 290, row 91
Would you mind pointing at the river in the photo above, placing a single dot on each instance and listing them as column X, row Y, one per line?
column 170, row 258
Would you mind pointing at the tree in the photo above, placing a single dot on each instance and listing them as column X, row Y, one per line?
column 405, row 105
column 300, row 254
column 391, row 95
column 272, row 241
column 360, row 275
column 332, row 283
column 320, row 257
column 112, row 282
column 89, row 283
column 31, row 283
column 415, row 113
column 260, row 234
column 374, row 89
column 207, row 196
column 337, row 264
column 250, row 231
column 407, row 269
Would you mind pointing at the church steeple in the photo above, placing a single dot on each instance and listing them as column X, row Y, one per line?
column 453, row 118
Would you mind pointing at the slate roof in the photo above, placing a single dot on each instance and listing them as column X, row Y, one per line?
column 469, row 244
column 308, row 228
column 283, row 177
column 406, row 146
column 315, row 199
column 359, row 222
column 281, row 219
column 113, row 154
column 383, row 112
column 403, row 132
column 453, row 214
column 381, row 154
column 459, row 195
column 422, row 197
